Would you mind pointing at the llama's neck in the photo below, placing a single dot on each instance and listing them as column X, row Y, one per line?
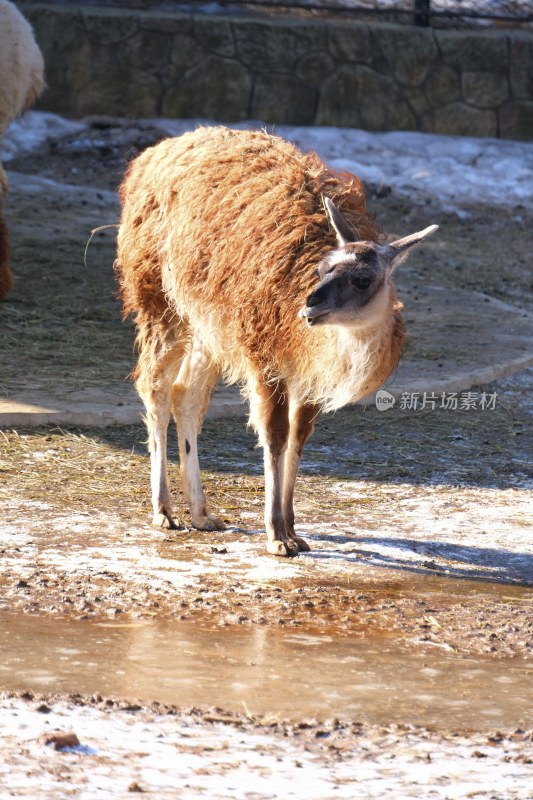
column 345, row 364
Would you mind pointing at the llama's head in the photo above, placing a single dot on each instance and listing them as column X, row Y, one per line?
column 355, row 280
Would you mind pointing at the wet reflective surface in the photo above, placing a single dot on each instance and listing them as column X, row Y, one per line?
column 288, row 673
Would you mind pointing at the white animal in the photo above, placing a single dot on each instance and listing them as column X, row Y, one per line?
column 21, row 82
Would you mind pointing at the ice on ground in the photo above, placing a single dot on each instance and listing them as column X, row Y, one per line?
column 36, row 184
column 182, row 757
column 31, row 131
column 445, row 169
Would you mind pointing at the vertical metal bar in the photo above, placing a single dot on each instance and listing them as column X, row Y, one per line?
column 422, row 13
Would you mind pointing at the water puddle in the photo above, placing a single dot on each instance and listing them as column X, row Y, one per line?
column 265, row 672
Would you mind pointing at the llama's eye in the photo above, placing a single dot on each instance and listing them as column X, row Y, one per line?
column 329, row 271
column 361, row 282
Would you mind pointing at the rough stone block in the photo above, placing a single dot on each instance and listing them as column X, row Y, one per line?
column 185, row 52
column 283, row 100
column 315, row 67
column 148, row 51
column 460, row 119
column 194, row 94
column 359, row 97
column 123, row 92
column 516, row 120
column 66, row 51
column 351, row 42
column 485, row 89
column 215, row 35
column 267, row 45
column 416, row 99
column 411, row 52
column 338, row 102
column 442, row 86
column 522, row 66
column 53, row 27
column 109, row 26
column 103, row 61
column 473, row 51
column 167, row 23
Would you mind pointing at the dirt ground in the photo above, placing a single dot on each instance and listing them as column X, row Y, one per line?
column 418, row 520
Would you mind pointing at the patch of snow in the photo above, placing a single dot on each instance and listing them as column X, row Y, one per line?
column 35, row 184
column 176, row 757
column 444, row 168
column 31, row 131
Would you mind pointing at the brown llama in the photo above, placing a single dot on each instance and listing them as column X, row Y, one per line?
column 21, row 82
column 227, row 261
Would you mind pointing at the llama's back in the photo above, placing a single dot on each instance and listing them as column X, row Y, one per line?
column 226, row 228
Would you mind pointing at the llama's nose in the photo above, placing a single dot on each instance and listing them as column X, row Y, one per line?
column 313, row 300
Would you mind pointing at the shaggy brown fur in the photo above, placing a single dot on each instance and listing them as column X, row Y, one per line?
column 221, row 235
column 241, row 233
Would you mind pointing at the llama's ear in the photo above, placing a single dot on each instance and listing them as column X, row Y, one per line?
column 395, row 252
column 343, row 230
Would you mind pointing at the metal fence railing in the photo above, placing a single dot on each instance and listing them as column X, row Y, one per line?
column 496, row 13
column 437, row 13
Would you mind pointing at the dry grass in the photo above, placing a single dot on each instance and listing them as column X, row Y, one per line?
column 63, row 319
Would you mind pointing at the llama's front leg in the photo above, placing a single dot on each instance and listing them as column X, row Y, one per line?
column 157, row 405
column 270, row 417
column 157, row 442
column 191, row 396
column 159, row 360
column 302, row 420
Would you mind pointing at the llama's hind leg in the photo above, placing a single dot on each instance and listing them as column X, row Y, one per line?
column 191, row 396
column 159, row 362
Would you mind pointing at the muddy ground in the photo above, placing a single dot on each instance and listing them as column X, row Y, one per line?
column 418, row 521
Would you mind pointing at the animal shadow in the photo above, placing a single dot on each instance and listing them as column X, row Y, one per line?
column 443, row 559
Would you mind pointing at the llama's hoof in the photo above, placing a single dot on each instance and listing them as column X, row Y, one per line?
column 289, row 547
column 164, row 520
column 302, row 544
column 208, row 523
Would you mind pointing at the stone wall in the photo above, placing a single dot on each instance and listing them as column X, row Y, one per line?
column 230, row 68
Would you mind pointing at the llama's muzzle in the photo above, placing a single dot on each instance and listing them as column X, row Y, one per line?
column 313, row 313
